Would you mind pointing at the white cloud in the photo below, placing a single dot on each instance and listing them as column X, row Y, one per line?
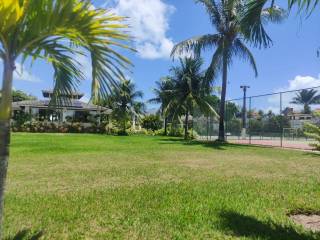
column 299, row 82
column 21, row 74
column 149, row 22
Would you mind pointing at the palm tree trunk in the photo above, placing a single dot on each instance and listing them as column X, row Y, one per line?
column 186, row 125
column 5, row 114
column 223, row 97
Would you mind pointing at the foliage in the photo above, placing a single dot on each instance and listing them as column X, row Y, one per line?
column 313, row 131
column 66, row 127
column 163, row 93
column 18, row 96
column 124, row 103
column 306, row 97
column 46, row 29
column 190, row 90
column 20, row 117
column 152, row 122
column 307, row 5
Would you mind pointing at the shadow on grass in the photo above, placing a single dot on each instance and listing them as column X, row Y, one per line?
column 313, row 154
column 209, row 144
column 246, row 226
column 26, row 235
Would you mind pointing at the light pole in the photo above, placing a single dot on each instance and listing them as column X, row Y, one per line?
column 244, row 111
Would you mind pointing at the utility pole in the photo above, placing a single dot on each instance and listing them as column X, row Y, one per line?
column 244, row 111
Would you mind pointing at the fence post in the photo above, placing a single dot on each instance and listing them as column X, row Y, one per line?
column 281, row 121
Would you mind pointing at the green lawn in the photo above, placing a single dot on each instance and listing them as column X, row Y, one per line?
column 102, row 187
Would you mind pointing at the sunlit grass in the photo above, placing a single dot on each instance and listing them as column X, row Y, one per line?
column 103, row 187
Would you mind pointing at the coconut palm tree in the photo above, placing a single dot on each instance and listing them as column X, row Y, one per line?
column 124, row 102
column 307, row 97
column 189, row 90
column 162, row 94
column 57, row 31
column 229, row 42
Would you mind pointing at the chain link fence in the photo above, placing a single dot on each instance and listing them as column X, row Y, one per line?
column 275, row 119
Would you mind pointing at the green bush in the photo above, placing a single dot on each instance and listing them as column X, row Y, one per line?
column 152, row 122
column 313, row 131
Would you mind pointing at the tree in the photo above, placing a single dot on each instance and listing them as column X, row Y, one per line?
column 307, row 97
column 57, row 31
column 189, row 90
column 18, row 96
column 229, row 42
column 124, row 102
column 162, row 94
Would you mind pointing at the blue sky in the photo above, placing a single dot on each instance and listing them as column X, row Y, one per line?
column 291, row 62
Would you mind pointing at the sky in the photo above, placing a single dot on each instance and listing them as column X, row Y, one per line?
column 156, row 25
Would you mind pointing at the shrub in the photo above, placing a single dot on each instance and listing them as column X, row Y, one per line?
column 152, row 122
column 313, row 131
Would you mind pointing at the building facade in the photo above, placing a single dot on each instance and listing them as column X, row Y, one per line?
column 72, row 110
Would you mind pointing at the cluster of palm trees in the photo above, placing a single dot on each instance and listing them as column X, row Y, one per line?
column 59, row 30
column 183, row 91
column 125, row 103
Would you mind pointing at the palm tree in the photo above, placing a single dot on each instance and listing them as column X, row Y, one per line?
column 306, row 98
column 190, row 90
column 139, row 110
column 124, row 102
column 57, row 31
column 229, row 42
column 162, row 96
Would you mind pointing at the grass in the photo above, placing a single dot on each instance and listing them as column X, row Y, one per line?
column 102, row 187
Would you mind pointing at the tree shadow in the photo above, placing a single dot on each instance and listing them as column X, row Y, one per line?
column 26, row 235
column 314, row 154
column 208, row 144
column 240, row 225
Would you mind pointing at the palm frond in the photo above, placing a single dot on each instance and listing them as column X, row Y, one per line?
column 305, row 5
column 252, row 23
column 241, row 50
column 196, row 44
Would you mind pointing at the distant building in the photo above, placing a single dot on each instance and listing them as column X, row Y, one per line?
column 74, row 109
column 298, row 119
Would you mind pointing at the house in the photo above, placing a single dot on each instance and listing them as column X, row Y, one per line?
column 298, row 119
column 73, row 110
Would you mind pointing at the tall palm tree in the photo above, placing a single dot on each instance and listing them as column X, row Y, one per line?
column 307, row 97
column 229, row 41
column 57, row 31
column 124, row 102
column 162, row 94
column 190, row 90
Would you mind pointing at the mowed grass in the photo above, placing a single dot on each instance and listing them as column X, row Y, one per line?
column 64, row 186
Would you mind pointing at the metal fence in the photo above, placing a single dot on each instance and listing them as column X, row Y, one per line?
column 275, row 119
